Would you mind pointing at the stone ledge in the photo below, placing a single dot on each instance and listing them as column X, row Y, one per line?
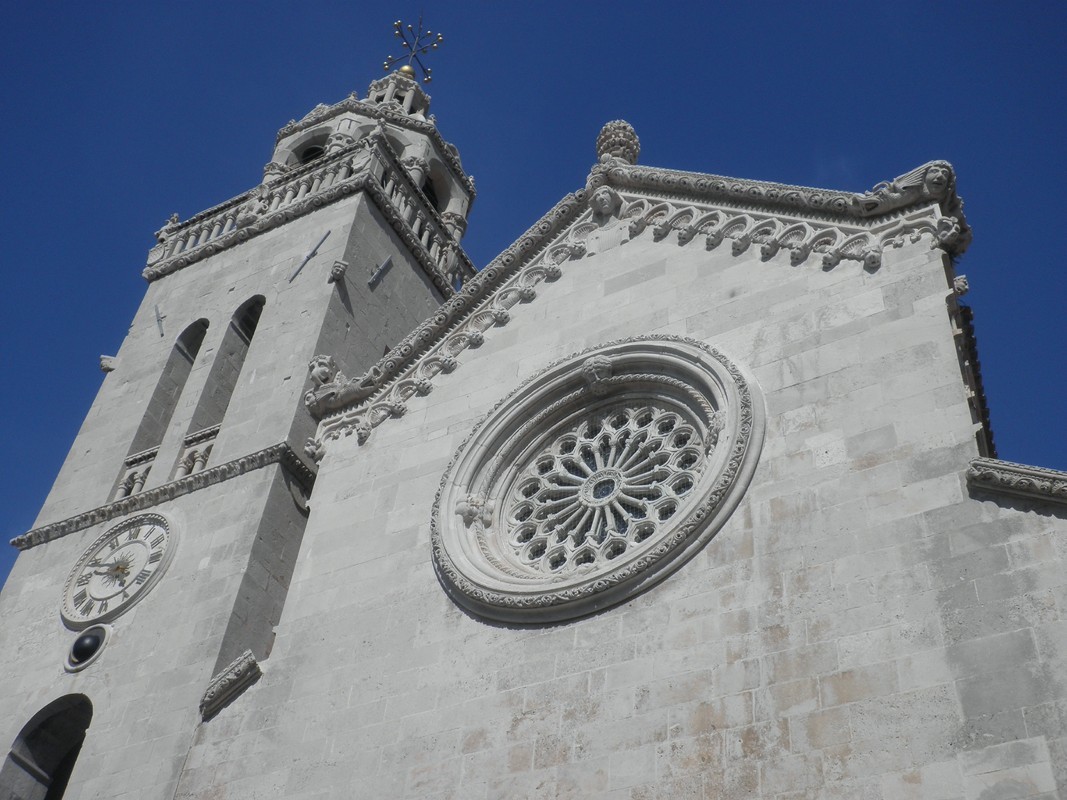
column 241, row 673
column 1019, row 480
column 276, row 454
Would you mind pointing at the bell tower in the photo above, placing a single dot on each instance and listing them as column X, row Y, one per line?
column 162, row 556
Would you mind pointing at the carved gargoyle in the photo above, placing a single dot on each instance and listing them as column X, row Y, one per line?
column 933, row 181
column 332, row 390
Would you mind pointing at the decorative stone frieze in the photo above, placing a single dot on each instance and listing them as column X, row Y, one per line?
column 242, row 672
column 819, row 204
column 456, row 325
column 1004, row 477
column 276, row 454
column 595, row 479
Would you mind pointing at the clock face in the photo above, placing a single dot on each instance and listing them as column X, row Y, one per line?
column 117, row 570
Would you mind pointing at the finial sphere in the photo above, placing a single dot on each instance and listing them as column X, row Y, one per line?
column 618, row 138
column 407, row 71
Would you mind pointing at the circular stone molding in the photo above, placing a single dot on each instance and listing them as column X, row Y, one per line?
column 596, row 479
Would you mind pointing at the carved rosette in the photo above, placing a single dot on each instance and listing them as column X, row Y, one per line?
column 596, row 479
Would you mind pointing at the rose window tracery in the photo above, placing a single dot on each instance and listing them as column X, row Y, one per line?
column 595, row 479
column 602, row 486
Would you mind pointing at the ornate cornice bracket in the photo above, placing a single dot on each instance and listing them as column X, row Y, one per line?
column 1019, row 480
column 225, row 687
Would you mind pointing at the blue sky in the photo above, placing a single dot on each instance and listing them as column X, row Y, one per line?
column 118, row 114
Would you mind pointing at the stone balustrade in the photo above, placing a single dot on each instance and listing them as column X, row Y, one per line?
column 370, row 165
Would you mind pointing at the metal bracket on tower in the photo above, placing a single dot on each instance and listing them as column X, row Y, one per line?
column 159, row 321
column 377, row 274
column 309, row 256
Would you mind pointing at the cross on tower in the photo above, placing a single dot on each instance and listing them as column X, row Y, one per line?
column 417, row 42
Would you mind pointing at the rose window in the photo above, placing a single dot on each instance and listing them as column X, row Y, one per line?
column 595, row 479
column 602, row 487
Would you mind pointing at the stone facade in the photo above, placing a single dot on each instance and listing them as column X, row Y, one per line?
column 878, row 611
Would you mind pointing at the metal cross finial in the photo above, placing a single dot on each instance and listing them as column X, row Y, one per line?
column 417, row 42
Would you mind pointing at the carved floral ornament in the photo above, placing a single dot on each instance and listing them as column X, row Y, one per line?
column 596, row 479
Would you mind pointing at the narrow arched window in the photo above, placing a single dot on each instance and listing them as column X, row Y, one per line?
column 160, row 409
column 221, row 381
column 42, row 757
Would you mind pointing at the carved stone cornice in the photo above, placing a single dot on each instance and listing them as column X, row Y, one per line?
column 904, row 193
column 460, row 321
column 276, row 454
column 360, row 180
column 388, row 114
column 1020, row 480
column 242, row 672
column 562, row 236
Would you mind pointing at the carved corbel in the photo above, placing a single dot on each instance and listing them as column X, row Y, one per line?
column 108, row 363
column 242, row 672
column 337, row 271
column 314, row 449
column 597, row 372
column 960, row 285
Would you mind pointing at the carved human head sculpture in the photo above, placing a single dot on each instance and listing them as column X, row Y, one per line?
column 936, row 180
column 597, row 370
column 605, row 202
column 323, row 369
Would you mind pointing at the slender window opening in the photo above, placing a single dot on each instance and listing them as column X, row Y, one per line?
column 221, row 382
column 160, row 409
column 43, row 755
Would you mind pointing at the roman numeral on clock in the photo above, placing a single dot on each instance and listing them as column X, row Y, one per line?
column 142, row 576
column 79, row 598
column 156, row 555
column 158, row 541
column 84, row 579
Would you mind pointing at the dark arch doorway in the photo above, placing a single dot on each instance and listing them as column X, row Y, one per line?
column 43, row 754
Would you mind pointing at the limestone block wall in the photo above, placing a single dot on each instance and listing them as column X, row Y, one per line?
column 266, row 406
column 860, row 627
column 148, row 680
